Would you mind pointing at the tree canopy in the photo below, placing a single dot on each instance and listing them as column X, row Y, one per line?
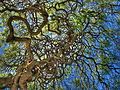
column 48, row 44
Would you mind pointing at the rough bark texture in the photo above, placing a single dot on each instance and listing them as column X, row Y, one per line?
column 24, row 71
column 46, row 69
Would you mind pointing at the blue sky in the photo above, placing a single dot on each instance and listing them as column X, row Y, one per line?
column 112, row 25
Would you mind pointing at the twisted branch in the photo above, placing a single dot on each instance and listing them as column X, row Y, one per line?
column 24, row 72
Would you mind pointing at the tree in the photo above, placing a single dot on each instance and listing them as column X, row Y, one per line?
column 47, row 41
